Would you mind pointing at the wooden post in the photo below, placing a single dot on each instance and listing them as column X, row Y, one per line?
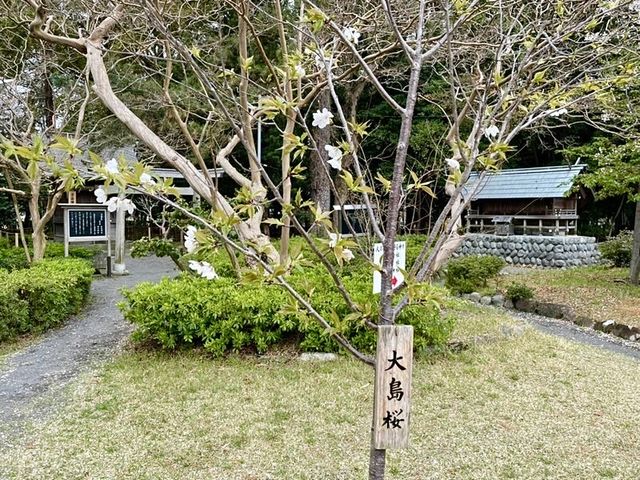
column 119, row 267
column 392, row 402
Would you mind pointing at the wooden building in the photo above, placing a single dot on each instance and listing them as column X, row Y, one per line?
column 524, row 201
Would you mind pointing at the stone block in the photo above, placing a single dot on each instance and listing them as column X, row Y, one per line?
column 584, row 321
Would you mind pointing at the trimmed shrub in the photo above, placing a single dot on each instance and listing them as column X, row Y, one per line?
column 468, row 274
column 223, row 315
column 518, row 291
column 12, row 258
column 35, row 299
column 618, row 249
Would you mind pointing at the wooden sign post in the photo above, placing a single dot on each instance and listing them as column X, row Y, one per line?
column 392, row 403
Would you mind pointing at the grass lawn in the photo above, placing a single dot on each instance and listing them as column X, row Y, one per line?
column 533, row 407
column 598, row 292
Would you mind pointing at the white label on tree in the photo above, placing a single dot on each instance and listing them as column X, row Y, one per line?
column 399, row 263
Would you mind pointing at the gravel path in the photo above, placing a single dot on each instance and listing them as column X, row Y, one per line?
column 572, row 332
column 32, row 380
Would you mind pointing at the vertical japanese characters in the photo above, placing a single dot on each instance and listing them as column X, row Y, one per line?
column 392, row 407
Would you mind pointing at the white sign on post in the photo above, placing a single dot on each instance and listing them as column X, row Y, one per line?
column 399, row 263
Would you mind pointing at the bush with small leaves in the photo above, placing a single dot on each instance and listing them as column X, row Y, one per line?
column 519, row 291
column 38, row 298
column 13, row 258
column 467, row 274
column 618, row 249
column 225, row 315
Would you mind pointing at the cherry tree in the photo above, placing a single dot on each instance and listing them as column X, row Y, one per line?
column 510, row 66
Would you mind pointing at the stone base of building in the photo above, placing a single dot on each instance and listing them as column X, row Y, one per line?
column 533, row 250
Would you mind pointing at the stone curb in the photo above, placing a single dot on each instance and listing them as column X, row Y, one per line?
column 559, row 312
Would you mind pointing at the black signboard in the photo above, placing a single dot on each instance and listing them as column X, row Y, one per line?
column 358, row 219
column 87, row 223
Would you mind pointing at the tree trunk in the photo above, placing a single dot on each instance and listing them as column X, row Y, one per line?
column 39, row 241
column 16, row 209
column 377, row 464
column 320, row 181
column 634, row 276
column 38, row 237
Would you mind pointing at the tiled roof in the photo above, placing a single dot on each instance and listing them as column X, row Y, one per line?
column 542, row 182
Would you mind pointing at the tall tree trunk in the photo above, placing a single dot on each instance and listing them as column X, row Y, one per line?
column 39, row 241
column 320, row 181
column 48, row 95
column 635, row 256
column 37, row 224
column 19, row 223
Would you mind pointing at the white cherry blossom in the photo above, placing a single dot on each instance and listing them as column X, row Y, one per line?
column 558, row 112
column 491, row 131
column 204, row 269
column 333, row 239
column 351, row 35
column 300, row 71
column 114, row 203
column 347, row 255
column 101, row 195
column 190, row 242
column 335, row 156
column 112, row 166
column 128, row 205
column 322, row 118
column 146, row 179
column 452, row 164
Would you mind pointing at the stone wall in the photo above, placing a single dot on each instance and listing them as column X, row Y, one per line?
column 535, row 250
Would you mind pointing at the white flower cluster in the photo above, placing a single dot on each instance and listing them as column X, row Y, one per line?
column 557, row 112
column 112, row 167
column 204, row 269
column 491, row 131
column 190, row 242
column 322, row 118
column 113, row 203
column 452, row 164
column 146, row 180
column 334, row 238
column 351, row 35
column 335, row 156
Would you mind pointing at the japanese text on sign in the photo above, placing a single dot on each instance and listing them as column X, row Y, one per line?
column 399, row 264
column 394, row 361
column 87, row 223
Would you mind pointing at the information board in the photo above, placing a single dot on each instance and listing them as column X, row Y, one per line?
column 87, row 223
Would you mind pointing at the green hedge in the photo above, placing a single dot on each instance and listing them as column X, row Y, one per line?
column 12, row 258
column 38, row 298
column 224, row 315
column 618, row 249
column 468, row 274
